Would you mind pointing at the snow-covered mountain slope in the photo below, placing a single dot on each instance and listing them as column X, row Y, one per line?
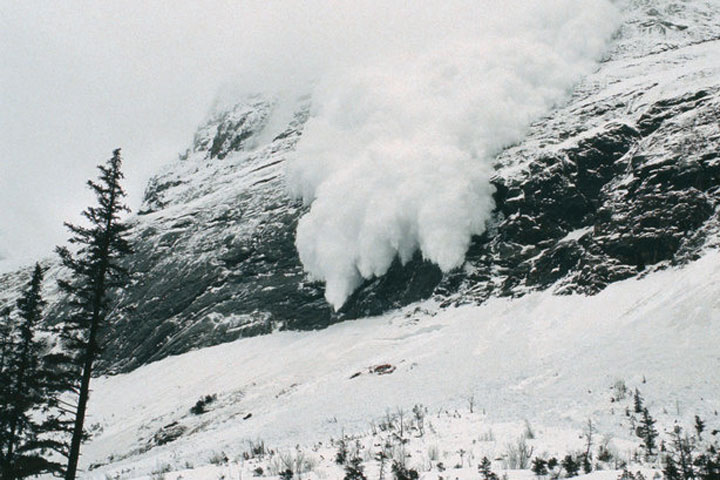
column 620, row 180
column 548, row 359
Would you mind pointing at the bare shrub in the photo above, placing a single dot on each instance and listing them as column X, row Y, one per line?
column 433, row 453
column 256, row 449
column 298, row 463
column 488, row 436
column 529, row 433
column 219, row 458
column 517, row 455
column 619, row 391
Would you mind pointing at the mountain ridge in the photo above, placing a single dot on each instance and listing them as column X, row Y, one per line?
column 620, row 180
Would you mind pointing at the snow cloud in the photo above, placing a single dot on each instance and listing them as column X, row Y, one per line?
column 396, row 155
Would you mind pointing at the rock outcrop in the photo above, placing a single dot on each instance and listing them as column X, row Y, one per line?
column 622, row 179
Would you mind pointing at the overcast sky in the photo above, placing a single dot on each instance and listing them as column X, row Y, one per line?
column 82, row 78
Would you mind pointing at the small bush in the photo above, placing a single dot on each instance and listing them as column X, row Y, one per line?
column 517, row 456
column 604, row 454
column 256, row 449
column 402, row 472
column 485, row 469
column 539, row 466
column 571, row 466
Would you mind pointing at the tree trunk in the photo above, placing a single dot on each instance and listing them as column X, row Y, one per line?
column 74, row 456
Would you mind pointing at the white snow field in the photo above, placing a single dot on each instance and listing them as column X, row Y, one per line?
column 547, row 359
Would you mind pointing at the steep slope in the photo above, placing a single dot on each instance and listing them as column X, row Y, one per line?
column 621, row 180
column 551, row 360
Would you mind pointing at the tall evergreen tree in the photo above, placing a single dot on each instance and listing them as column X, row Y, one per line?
column 5, row 338
column 648, row 433
column 96, row 270
column 681, row 453
column 24, row 417
column 6, row 345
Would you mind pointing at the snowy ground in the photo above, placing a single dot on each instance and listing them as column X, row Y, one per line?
column 548, row 360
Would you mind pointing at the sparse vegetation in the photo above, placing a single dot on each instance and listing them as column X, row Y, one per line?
column 395, row 442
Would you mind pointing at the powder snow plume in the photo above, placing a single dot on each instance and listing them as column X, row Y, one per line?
column 396, row 156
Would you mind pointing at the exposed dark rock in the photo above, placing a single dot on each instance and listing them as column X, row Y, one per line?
column 623, row 179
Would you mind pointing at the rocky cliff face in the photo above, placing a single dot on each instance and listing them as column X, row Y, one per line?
column 622, row 179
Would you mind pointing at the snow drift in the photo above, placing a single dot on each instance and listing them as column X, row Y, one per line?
column 396, row 155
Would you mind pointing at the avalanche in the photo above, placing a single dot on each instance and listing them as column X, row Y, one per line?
column 396, row 155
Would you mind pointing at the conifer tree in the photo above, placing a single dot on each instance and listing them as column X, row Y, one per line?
column 539, row 467
column 682, row 449
column 5, row 340
column 95, row 270
column 571, row 466
column 670, row 470
column 24, row 417
column 637, row 402
column 485, row 469
column 6, row 344
column 5, row 350
column 648, row 433
column 354, row 469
